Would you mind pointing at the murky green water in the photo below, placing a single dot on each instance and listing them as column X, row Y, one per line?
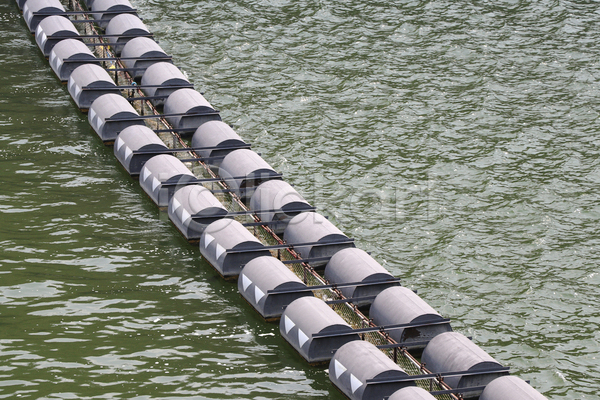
column 456, row 141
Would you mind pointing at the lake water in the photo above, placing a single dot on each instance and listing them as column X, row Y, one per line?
column 456, row 141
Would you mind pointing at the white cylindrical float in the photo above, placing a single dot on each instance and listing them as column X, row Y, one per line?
column 192, row 208
column 69, row 54
column 400, row 305
column 262, row 275
column 88, row 82
column 34, row 11
column 307, row 318
column 134, row 139
column 139, row 53
column 243, row 170
column 277, row 202
column 160, row 80
column 122, row 28
column 411, row 393
column 355, row 364
column 510, row 387
column 314, row 228
column 356, row 265
column 104, row 10
column 53, row 30
column 162, row 175
column 227, row 245
column 109, row 114
column 454, row 352
column 219, row 139
column 187, row 109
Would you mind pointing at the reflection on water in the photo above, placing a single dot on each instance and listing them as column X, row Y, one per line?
column 456, row 142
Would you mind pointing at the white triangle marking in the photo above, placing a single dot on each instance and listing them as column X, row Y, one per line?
column 207, row 239
column 289, row 324
column 302, row 338
column 119, row 142
column 258, row 294
column 52, row 58
column 77, row 90
column 245, row 282
column 155, row 183
column 339, row 369
column 219, row 251
column 186, row 217
column 100, row 124
column 145, row 173
column 355, row 383
column 128, row 153
column 92, row 114
column 174, row 205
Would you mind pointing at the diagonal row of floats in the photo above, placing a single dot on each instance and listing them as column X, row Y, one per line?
column 334, row 302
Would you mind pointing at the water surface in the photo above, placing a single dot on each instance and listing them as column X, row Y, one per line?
column 456, row 141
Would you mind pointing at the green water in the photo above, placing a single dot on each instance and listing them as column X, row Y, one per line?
column 456, row 141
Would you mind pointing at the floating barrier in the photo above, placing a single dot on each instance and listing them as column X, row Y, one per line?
column 263, row 275
column 109, row 114
column 122, row 28
column 411, row 393
column 53, row 30
column 68, row 54
column 280, row 202
column 510, row 387
column 357, row 363
column 34, row 11
column 313, row 227
column 221, row 240
column 133, row 139
column 400, row 319
column 103, row 11
column 355, row 265
column 192, row 208
column 219, row 139
column 307, row 316
column 335, row 286
column 163, row 78
column 400, row 305
column 161, row 175
column 190, row 110
column 88, row 82
column 140, row 53
column 452, row 351
column 243, row 170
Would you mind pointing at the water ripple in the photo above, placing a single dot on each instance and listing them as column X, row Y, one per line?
column 456, row 142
